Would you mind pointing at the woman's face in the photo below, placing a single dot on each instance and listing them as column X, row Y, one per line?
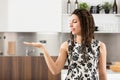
column 75, row 25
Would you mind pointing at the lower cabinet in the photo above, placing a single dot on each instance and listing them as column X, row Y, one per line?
column 113, row 76
column 25, row 68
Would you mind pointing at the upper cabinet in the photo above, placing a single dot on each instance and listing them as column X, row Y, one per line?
column 3, row 15
column 106, row 23
column 34, row 16
column 50, row 16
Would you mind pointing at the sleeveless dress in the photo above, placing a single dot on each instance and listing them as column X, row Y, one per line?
column 77, row 68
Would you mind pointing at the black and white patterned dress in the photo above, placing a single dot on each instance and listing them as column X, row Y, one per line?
column 77, row 68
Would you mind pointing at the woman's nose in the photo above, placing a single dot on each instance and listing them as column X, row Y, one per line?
column 70, row 24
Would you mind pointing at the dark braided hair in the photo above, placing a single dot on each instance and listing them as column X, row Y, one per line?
column 87, row 30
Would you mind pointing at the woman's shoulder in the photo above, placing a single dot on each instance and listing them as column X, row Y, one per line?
column 64, row 45
column 102, row 44
column 102, row 48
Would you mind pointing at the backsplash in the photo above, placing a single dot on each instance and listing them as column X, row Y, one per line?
column 112, row 42
column 53, row 42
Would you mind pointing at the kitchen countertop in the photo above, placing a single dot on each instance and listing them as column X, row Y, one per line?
column 111, row 72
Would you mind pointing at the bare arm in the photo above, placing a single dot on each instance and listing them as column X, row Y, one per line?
column 102, row 62
column 55, row 67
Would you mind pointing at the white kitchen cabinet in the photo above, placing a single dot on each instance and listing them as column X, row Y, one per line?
column 3, row 15
column 65, row 23
column 34, row 15
column 113, row 75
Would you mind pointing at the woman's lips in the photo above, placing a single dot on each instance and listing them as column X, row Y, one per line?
column 73, row 29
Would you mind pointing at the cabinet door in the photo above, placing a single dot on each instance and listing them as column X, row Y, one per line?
column 25, row 68
column 34, row 15
column 3, row 15
column 65, row 23
column 115, row 76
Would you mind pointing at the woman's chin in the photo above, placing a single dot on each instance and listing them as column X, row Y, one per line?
column 73, row 32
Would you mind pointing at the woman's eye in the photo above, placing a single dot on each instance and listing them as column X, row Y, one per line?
column 74, row 21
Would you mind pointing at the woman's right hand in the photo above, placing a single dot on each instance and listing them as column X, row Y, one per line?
column 34, row 44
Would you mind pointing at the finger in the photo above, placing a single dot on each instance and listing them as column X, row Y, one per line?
column 27, row 43
column 33, row 44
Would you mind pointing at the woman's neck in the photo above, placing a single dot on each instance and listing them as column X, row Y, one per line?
column 78, row 39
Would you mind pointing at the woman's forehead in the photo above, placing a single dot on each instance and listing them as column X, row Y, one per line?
column 73, row 16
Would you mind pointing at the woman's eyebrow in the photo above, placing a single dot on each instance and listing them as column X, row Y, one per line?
column 73, row 20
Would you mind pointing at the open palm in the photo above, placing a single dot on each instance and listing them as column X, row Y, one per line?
column 35, row 44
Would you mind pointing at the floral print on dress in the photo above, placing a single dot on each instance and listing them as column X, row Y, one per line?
column 77, row 68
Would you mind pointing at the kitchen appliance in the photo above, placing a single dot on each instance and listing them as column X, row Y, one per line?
column 95, row 9
column 11, row 47
column 2, row 37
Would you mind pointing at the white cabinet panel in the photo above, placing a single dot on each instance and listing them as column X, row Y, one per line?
column 113, row 76
column 34, row 15
column 65, row 23
column 3, row 15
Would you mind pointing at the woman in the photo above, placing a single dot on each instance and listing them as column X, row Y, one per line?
column 86, row 56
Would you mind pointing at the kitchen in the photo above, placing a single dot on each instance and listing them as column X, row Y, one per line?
column 20, row 23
